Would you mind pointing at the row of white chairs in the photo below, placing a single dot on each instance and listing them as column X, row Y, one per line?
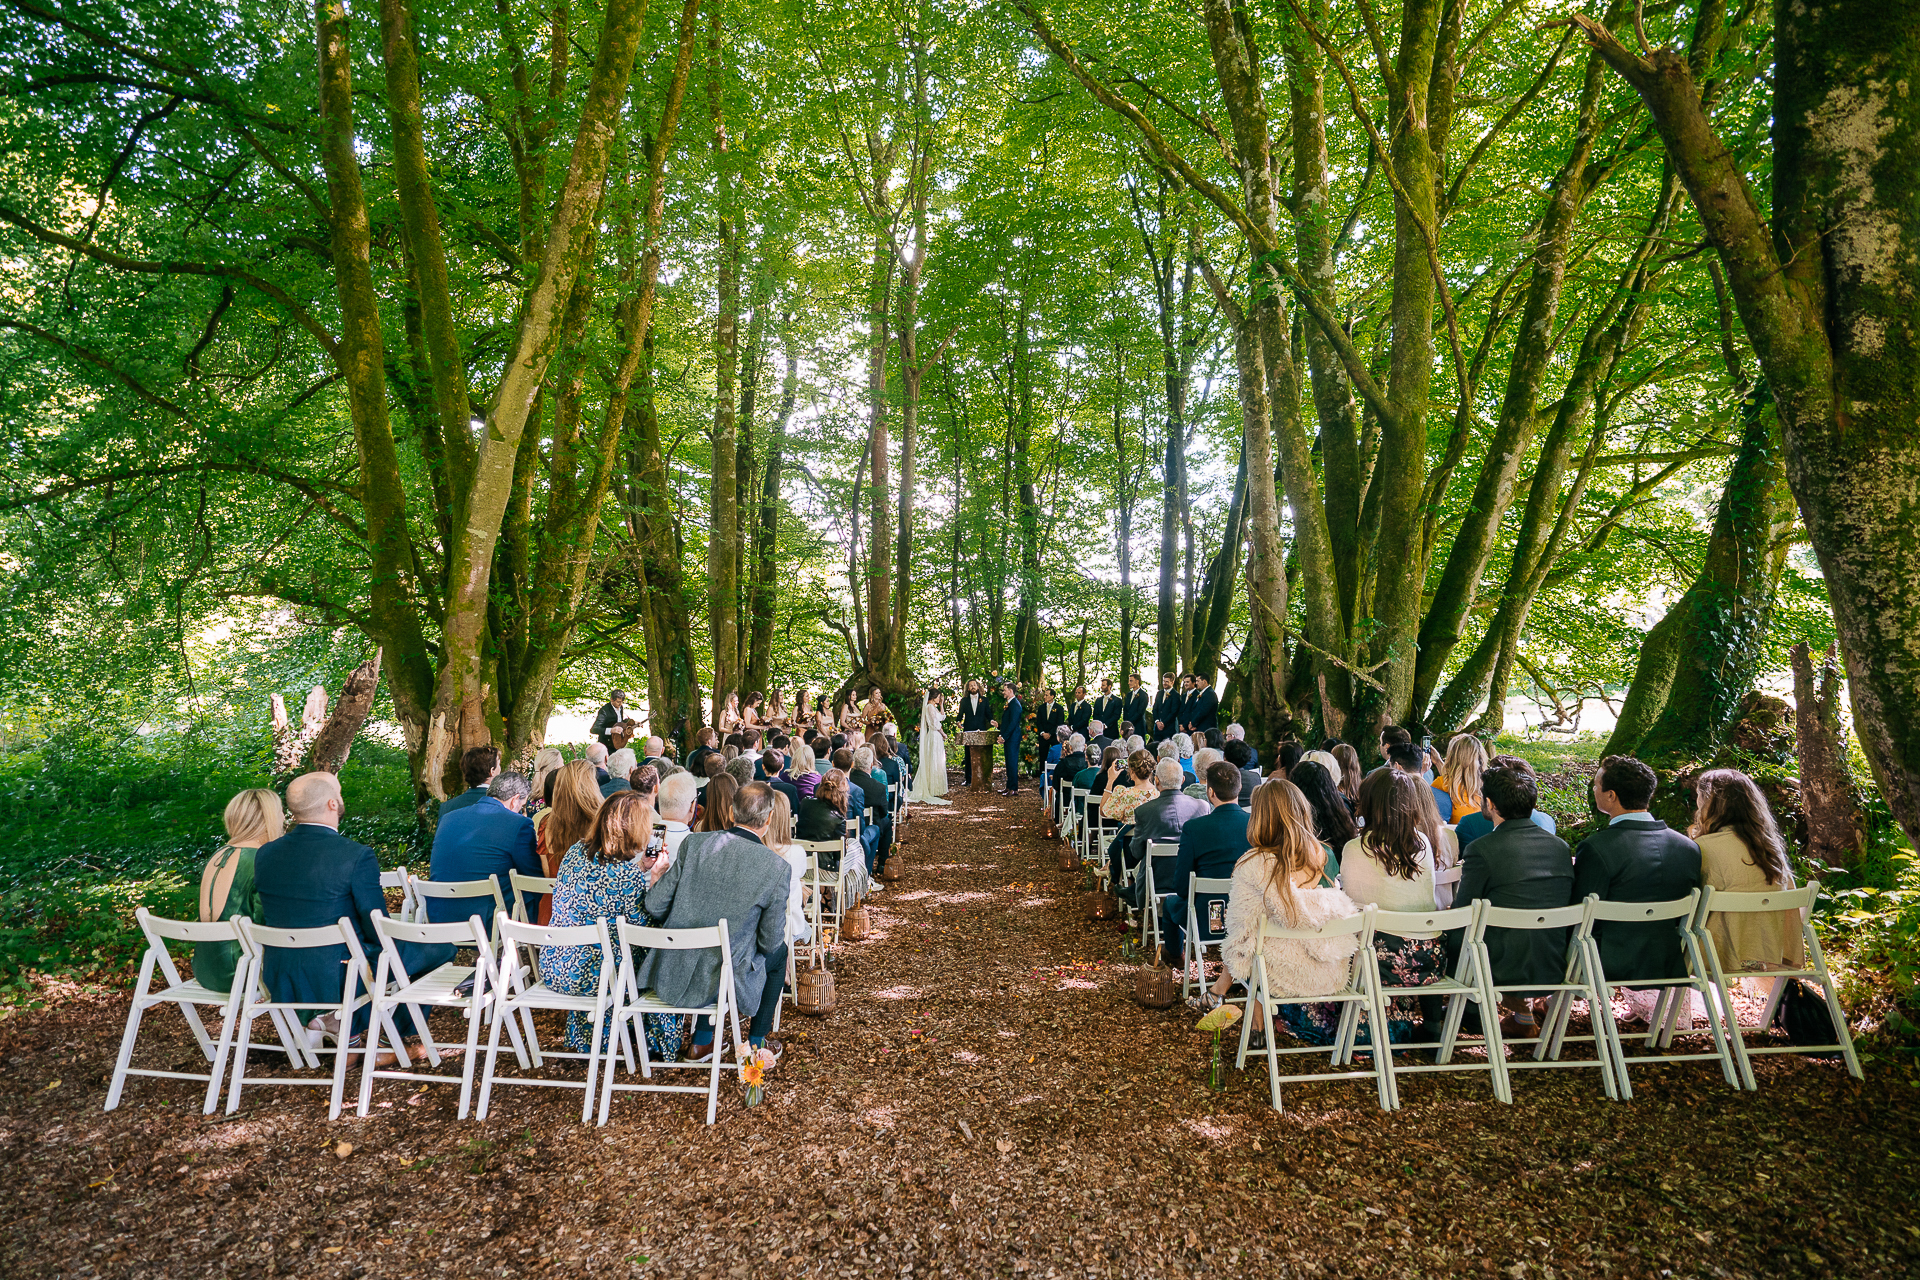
column 502, row 989
column 1363, row 998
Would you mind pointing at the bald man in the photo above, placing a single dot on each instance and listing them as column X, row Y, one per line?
column 310, row 878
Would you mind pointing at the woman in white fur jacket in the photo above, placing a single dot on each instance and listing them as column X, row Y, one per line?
column 1285, row 875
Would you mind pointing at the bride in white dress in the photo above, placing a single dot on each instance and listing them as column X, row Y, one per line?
column 930, row 779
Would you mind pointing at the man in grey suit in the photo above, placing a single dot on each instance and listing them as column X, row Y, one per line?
column 1634, row 858
column 1517, row 865
column 725, row 875
column 1160, row 818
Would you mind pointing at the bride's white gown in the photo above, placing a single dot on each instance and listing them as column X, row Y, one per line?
column 930, row 780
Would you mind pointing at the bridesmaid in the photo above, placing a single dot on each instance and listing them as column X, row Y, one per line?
column 751, row 716
column 728, row 721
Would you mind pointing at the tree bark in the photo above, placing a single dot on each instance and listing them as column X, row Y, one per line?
column 723, row 551
column 1836, row 829
column 334, row 742
column 764, row 589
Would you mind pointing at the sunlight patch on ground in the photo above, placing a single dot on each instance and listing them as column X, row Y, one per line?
column 1035, row 902
column 1077, row 984
column 898, row 993
column 1210, row 1129
column 967, row 1055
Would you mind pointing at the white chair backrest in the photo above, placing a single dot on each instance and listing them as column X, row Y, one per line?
column 1160, row 860
column 513, row 932
column 1536, row 917
column 1405, row 922
column 159, row 928
column 326, row 935
column 1647, row 912
column 525, row 887
column 633, row 935
column 1360, row 923
column 461, row 933
column 1801, row 899
column 445, row 889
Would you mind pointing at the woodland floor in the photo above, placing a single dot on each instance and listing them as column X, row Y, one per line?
column 987, row 1100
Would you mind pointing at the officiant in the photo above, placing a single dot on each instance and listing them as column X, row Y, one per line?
column 975, row 716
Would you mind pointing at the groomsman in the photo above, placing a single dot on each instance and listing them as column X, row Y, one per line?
column 1012, row 720
column 1080, row 712
column 975, row 714
column 1166, row 710
column 1048, row 717
column 1106, row 707
column 1135, row 710
column 1202, row 710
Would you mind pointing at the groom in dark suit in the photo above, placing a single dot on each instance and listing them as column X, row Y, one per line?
column 1012, row 717
column 975, row 714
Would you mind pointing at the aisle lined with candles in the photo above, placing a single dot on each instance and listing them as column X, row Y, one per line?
column 986, row 1099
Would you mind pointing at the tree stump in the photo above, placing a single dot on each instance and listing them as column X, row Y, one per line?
column 1836, row 829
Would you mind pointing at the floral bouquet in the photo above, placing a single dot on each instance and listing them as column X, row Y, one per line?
column 754, row 1073
column 1218, row 1021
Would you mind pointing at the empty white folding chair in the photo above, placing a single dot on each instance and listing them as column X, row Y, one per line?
column 1077, row 815
column 525, row 889
column 440, row 988
column 187, row 995
column 1813, row 968
column 826, row 889
column 1672, row 1004
column 357, row 979
column 397, row 879
column 462, row 891
column 1157, row 869
column 1466, row 985
column 1202, row 931
column 1357, row 998
column 1576, row 981
column 517, row 997
column 631, row 1004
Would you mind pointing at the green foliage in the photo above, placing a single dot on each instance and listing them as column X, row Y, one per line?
column 94, row 835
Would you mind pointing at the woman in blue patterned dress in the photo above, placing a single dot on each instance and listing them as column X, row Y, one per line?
column 603, row 877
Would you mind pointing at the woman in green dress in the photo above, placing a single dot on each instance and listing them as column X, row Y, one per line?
column 226, row 886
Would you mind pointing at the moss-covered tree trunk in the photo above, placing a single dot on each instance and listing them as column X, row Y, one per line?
column 723, row 552
column 1826, row 291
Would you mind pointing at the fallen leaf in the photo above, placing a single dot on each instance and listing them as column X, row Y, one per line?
column 333, row 1248
column 344, row 1150
column 51, row 1086
column 1002, row 1145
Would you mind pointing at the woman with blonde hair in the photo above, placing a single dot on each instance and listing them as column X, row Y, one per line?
column 545, row 764
column 1283, row 876
column 728, row 719
column 1741, row 852
column 804, row 769
column 576, row 803
column 1459, row 778
column 780, row 839
column 252, row 818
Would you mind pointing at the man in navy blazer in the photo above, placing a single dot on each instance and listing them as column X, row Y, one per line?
column 1013, row 717
column 478, row 765
column 311, row 877
column 1209, row 846
column 1201, row 711
column 487, row 838
column 1634, row 858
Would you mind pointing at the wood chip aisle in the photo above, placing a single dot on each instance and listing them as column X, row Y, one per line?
column 987, row 1101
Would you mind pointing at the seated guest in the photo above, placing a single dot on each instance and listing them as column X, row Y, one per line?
column 488, row 838
column 679, row 797
column 1289, row 755
column 712, row 765
column 1350, row 771
column 1159, row 820
column 740, row 769
column 597, row 757
column 1240, row 756
column 1097, row 735
column 313, row 877
column 1098, row 776
column 1459, row 780
column 780, row 839
column 226, row 886
column 546, row 763
column 1121, row 800
column 1477, row 824
column 1332, row 821
column 725, row 875
column 703, row 740
column 603, row 877
column 645, row 779
column 1635, row 858
column 1238, row 733
column 750, row 744
column 1390, row 865
column 804, row 771
column 656, row 749
column 1741, row 852
column 1283, row 877
column 872, row 783
column 619, row 765
column 478, row 765
column 859, row 809
column 1072, row 760
column 775, row 763
column 1209, row 846
column 1516, row 864
column 716, row 804
column 576, row 801
column 823, row 816
column 1203, row 759
column 1183, row 743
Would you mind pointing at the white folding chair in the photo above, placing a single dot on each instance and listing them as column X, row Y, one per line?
column 1668, row 1009
column 527, row 887
column 397, row 879
column 1157, row 866
column 1468, row 984
column 824, row 911
column 515, row 997
column 631, row 1004
column 1446, row 880
column 425, row 891
column 1077, row 816
column 1576, row 980
column 1357, row 997
column 187, row 995
column 438, row 989
column 256, row 941
column 1200, row 936
column 1801, row 900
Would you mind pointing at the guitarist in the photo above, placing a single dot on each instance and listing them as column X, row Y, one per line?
column 607, row 724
